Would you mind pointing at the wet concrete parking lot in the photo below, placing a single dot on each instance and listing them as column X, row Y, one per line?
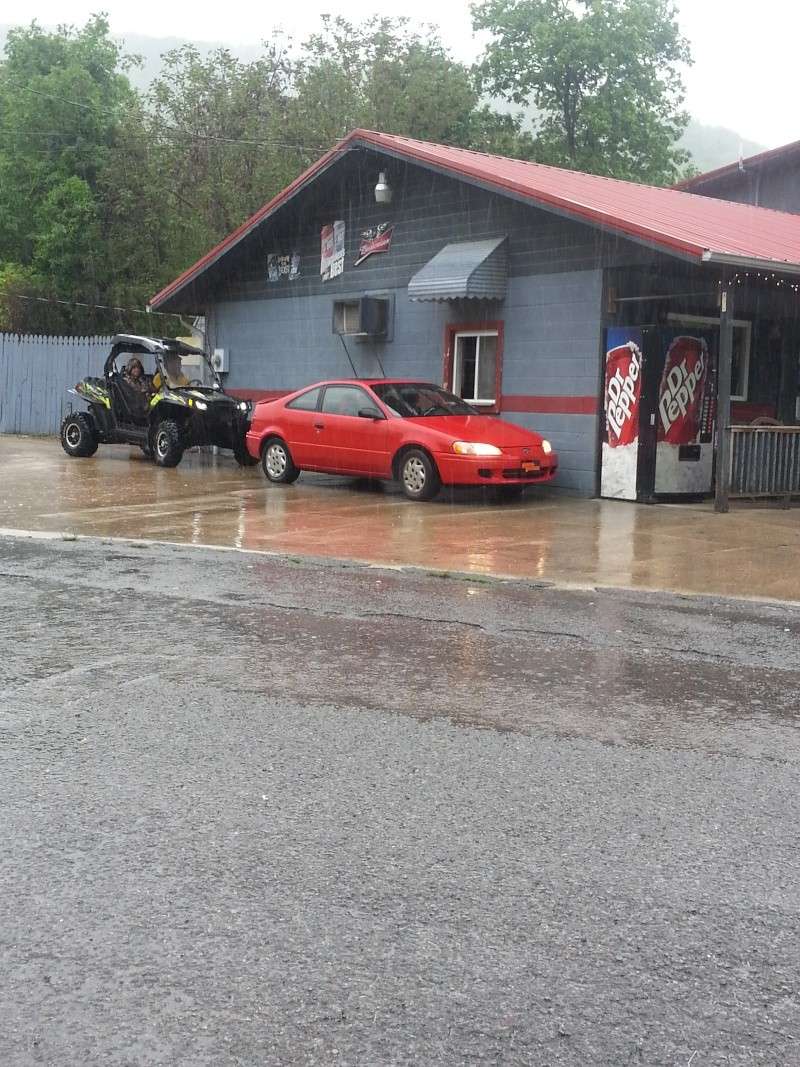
column 276, row 808
column 547, row 536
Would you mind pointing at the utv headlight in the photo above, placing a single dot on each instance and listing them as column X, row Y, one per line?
column 547, row 448
column 243, row 405
column 201, row 405
column 472, row 448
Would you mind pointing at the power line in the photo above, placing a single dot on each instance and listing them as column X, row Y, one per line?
column 169, row 129
column 104, row 307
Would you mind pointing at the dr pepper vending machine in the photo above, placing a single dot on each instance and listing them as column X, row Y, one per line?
column 658, row 439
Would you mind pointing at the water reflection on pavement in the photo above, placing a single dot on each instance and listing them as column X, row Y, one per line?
column 548, row 536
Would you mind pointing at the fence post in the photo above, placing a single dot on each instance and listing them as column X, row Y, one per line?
column 724, row 370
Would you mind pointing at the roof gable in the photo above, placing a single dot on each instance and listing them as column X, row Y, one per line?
column 676, row 222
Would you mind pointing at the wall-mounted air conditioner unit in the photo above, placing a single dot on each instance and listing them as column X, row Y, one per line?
column 366, row 316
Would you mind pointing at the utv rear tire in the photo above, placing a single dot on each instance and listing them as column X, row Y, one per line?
column 78, row 435
column 167, row 443
column 277, row 462
column 419, row 477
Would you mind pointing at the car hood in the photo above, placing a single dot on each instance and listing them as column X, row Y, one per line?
column 483, row 428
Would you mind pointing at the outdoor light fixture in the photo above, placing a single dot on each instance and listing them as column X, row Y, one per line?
column 383, row 191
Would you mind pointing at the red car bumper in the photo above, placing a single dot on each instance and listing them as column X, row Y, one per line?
column 495, row 470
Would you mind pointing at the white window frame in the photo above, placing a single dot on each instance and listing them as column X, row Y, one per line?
column 740, row 389
column 456, row 362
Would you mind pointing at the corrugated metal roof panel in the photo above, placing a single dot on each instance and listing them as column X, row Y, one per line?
column 677, row 222
column 464, row 270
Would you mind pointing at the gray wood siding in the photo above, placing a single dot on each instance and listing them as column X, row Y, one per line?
column 35, row 374
column 428, row 212
column 775, row 186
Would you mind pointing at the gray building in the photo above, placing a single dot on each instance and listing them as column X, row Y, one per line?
column 511, row 267
column 770, row 179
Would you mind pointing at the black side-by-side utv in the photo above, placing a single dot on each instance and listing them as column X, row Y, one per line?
column 164, row 418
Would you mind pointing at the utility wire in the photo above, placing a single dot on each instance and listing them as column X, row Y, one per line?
column 97, row 108
column 101, row 307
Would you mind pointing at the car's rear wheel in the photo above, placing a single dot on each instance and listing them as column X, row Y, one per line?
column 78, row 436
column 167, row 443
column 418, row 475
column 277, row 462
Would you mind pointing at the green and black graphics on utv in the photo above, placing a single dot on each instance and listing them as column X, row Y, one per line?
column 163, row 412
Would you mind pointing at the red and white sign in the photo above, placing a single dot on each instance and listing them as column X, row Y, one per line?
column 680, row 398
column 378, row 239
column 623, row 389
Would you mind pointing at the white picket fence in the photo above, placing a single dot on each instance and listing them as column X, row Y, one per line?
column 35, row 374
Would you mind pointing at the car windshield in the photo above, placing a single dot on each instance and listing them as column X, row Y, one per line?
column 420, row 400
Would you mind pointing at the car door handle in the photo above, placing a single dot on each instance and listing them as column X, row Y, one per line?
column 319, row 425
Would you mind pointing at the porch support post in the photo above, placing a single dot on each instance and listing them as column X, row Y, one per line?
column 724, row 370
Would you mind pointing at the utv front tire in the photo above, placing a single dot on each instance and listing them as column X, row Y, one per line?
column 167, row 443
column 242, row 456
column 277, row 462
column 78, row 435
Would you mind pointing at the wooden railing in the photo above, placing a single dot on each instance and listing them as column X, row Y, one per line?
column 765, row 461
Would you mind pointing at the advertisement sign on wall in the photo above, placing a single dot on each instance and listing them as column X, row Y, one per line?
column 376, row 239
column 331, row 263
column 281, row 266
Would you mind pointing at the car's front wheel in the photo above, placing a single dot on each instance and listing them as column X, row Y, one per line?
column 167, row 443
column 78, row 436
column 418, row 475
column 277, row 462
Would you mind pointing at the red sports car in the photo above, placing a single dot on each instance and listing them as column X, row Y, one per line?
column 412, row 431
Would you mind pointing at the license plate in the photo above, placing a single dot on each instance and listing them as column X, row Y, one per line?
column 529, row 465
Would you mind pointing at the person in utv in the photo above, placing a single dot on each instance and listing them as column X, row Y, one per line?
column 175, row 377
column 135, row 377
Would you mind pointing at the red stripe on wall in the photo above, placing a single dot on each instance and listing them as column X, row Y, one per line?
column 551, row 405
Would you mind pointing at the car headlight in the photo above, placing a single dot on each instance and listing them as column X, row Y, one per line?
column 473, row 448
column 547, row 448
column 201, row 405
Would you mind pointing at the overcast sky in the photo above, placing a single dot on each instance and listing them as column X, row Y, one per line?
column 746, row 53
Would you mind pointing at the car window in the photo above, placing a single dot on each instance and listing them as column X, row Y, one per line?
column 345, row 400
column 306, row 401
column 415, row 399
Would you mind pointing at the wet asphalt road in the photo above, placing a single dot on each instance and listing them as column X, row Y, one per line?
column 284, row 812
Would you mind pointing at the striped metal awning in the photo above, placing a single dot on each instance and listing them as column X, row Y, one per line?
column 465, row 270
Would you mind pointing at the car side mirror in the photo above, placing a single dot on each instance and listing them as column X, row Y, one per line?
column 370, row 413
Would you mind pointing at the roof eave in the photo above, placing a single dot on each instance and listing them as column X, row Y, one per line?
column 730, row 259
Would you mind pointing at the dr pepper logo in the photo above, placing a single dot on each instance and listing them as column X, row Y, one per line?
column 680, row 399
column 623, row 385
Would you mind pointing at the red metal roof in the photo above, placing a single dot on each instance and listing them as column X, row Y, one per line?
column 771, row 155
column 674, row 221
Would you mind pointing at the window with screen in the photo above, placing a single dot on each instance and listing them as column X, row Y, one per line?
column 475, row 366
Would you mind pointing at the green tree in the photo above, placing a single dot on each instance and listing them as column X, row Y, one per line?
column 219, row 127
column 602, row 75
column 67, row 118
column 384, row 75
